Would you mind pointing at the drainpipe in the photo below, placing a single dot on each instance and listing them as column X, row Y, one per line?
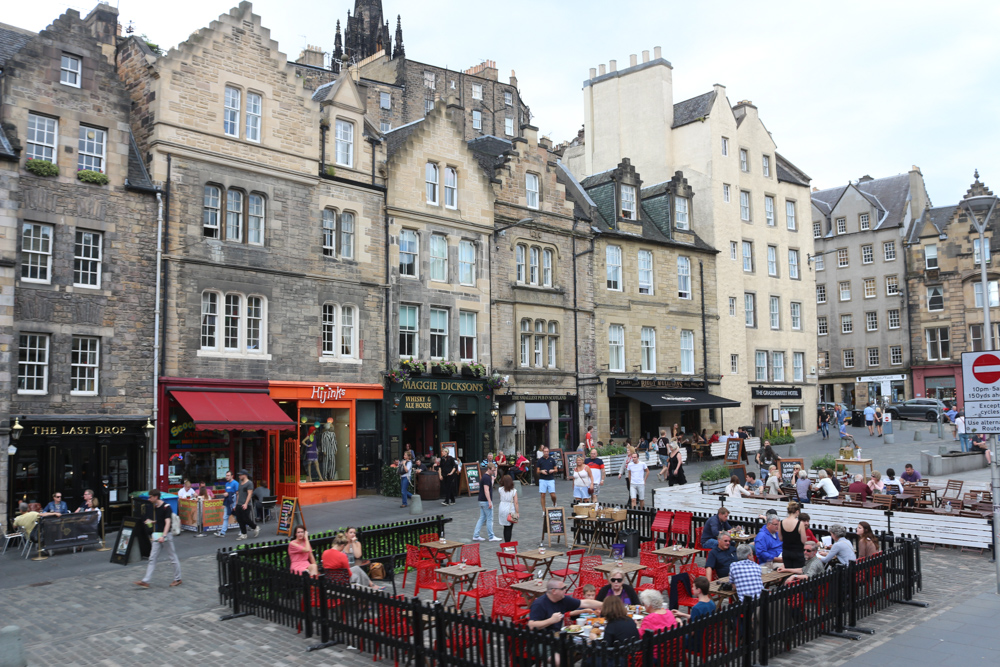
column 388, row 299
column 156, row 334
column 704, row 328
column 166, row 269
column 322, row 147
column 576, row 320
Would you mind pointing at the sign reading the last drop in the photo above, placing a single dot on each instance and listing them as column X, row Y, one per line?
column 981, row 390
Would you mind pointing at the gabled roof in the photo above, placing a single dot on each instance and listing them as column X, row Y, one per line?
column 582, row 203
column 932, row 218
column 396, row 137
column 890, row 196
column 12, row 40
column 789, row 173
column 693, row 109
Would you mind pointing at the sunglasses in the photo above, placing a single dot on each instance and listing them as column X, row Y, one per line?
column 57, row 496
column 617, row 581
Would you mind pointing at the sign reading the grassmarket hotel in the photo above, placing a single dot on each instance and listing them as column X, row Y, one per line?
column 443, row 386
column 776, row 392
column 651, row 383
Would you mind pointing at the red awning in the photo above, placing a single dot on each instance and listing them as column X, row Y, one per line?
column 230, row 410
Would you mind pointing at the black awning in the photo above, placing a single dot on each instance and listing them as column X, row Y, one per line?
column 678, row 399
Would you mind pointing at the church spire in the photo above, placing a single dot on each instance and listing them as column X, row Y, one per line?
column 338, row 47
column 399, row 52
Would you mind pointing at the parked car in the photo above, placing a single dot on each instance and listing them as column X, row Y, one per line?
column 917, row 408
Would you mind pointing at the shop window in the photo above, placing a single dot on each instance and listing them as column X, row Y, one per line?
column 618, row 417
column 325, row 434
column 794, row 416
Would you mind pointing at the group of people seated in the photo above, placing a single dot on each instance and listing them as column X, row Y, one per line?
column 827, row 484
column 345, row 554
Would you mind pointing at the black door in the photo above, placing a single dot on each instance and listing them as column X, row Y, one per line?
column 366, row 459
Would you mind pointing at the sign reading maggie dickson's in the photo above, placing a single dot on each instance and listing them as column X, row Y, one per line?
column 776, row 392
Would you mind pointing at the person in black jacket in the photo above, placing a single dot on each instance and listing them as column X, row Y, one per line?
column 620, row 627
column 619, row 589
column 448, row 473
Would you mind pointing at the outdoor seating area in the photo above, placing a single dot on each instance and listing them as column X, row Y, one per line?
column 467, row 607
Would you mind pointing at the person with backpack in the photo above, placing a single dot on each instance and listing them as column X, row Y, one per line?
column 244, row 512
column 405, row 468
column 164, row 529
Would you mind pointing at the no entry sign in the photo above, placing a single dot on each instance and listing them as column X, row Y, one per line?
column 986, row 369
column 981, row 391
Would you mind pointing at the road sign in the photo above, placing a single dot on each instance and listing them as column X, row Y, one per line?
column 981, row 376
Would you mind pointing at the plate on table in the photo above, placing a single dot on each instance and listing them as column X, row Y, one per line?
column 573, row 629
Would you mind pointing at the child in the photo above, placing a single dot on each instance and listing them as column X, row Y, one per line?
column 589, row 593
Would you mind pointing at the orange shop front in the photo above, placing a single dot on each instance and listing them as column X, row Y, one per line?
column 333, row 453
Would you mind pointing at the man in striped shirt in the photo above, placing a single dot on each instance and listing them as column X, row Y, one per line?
column 596, row 465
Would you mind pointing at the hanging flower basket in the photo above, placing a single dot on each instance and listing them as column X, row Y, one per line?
column 413, row 367
column 446, row 368
column 474, row 370
column 396, row 375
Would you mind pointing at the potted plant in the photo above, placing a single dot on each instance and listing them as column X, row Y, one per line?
column 92, row 177
column 613, row 456
column 496, row 381
column 474, row 370
column 396, row 375
column 447, row 368
column 824, row 462
column 413, row 367
column 715, row 479
column 41, row 167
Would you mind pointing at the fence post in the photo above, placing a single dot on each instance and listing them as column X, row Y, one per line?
column 307, row 619
column 763, row 605
column 838, row 586
column 235, row 588
column 852, row 583
column 911, row 557
column 417, row 614
column 647, row 650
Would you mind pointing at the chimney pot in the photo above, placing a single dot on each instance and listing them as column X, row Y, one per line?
column 657, row 52
column 593, row 72
column 633, row 60
column 602, row 69
column 645, row 56
column 613, row 66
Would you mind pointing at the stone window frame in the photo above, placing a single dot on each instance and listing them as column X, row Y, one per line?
column 821, row 293
column 630, row 214
column 822, row 326
column 765, row 165
column 841, row 225
column 888, row 248
column 332, row 332
column 463, row 339
column 870, row 259
column 895, row 352
column 230, row 93
column 892, row 285
column 774, row 312
column 82, row 259
column 681, row 293
column 817, row 229
column 77, row 72
column 889, row 318
column 464, row 244
column 795, row 315
column 383, row 96
column 34, row 362
column 843, row 258
column 874, row 354
column 794, row 271
column 450, row 172
column 616, row 349
column 91, row 153
column 841, row 291
column 441, row 261
column 864, row 221
column 413, row 334
column 41, row 149
column 432, row 183
column 477, row 120
column 687, row 353
column 242, row 349
column 647, row 349
column 847, row 357
column 528, row 190
column 618, row 285
column 245, row 213
column 337, row 232
column 770, row 218
column 438, row 333
column 415, row 253
column 870, row 282
column 871, row 320
column 259, row 116
column 846, row 323
column 85, row 365
column 772, row 261
column 791, row 217
column 939, row 341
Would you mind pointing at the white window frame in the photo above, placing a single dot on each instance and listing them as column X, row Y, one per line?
column 873, row 357
column 211, row 212
column 232, row 104
column 256, row 215
column 329, row 337
column 254, row 116
column 847, row 357
column 548, row 258
column 88, row 254
column 553, row 344
column 747, row 256
column 539, row 343
column 477, row 91
column 795, row 313
column 841, row 225
column 644, row 261
column 843, row 258
column 432, row 179
column 249, row 331
column 817, row 230
column 895, row 355
column 864, row 222
column 936, row 341
column 760, row 366
column 91, row 152
column 33, row 353
column 532, row 190
column 867, row 253
column 994, row 291
column 521, row 263
column 745, row 212
column 975, row 251
column 346, row 222
column 766, row 165
column 798, row 366
column 450, row 188
column 647, row 344
column 775, row 312
column 769, row 210
column 534, row 264
column 891, row 285
column 793, row 264
column 628, row 207
column 616, row 348
column 438, row 333
column 820, row 263
column 508, row 98
column 873, row 292
column 892, row 317
column 232, row 322
column 750, row 309
column 234, row 215
column 465, row 338
column 725, row 193
column 778, row 366
column 846, row 323
column 430, row 80
column 734, row 250
column 210, row 320
column 772, row 261
column 384, row 126
column 687, row 352
column 732, row 306
column 734, row 364
column 889, row 251
column 822, row 326
column 871, row 320
column 821, row 293
column 409, row 245
column 439, row 258
column 466, row 263
column 70, row 70
column 385, row 100
column 412, row 333
column 525, row 343
column 477, row 119
column 791, row 223
column 36, row 252
column 844, row 290
column 744, row 160
column 42, row 138
column 613, row 262
column 930, row 256
column 683, row 220
column 254, row 323
column 344, row 153
column 684, row 290
column 935, row 291
column 725, row 146
column 508, row 126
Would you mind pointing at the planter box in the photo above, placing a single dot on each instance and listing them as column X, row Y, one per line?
column 467, row 372
column 441, row 372
column 714, row 487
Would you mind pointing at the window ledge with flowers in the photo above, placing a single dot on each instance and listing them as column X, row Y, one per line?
column 474, row 370
column 447, row 368
column 41, row 167
column 92, row 177
column 412, row 366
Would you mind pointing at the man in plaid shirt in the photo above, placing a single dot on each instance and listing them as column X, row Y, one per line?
column 745, row 574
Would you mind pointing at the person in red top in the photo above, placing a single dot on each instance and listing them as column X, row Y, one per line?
column 715, row 438
column 334, row 558
column 597, row 472
column 858, row 487
column 589, row 438
column 804, row 518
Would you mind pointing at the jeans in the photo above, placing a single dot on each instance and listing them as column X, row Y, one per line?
column 964, row 439
column 485, row 516
column 168, row 548
column 825, row 427
column 226, row 511
column 404, row 486
column 710, row 543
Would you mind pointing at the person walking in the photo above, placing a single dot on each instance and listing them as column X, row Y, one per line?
column 546, row 466
column 663, row 452
column 405, row 472
column 583, row 480
column 228, row 502
column 486, row 505
column 675, row 466
column 623, row 469
column 878, row 419
column 163, row 540
column 448, row 474
column 244, row 508
column 508, row 506
column 765, row 459
column 824, row 424
column 637, row 474
column 870, row 419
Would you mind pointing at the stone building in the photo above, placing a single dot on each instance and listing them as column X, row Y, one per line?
column 78, row 265
column 274, row 278
column 752, row 205
column 655, row 311
column 944, row 294
column 860, row 268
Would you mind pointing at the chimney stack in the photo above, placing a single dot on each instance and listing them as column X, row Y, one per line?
column 593, row 72
column 602, row 69
column 645, row 56
column 657, row 52
column 633, row 60
column 613, row 66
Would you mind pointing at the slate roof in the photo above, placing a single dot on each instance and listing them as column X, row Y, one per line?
column 693, row 109
column 319, row 95
column 491, row 153
column 938, row 219
column 789, row 173
column 138, row 177
column 6, row 150
column 889, row 195
column 396, row 137
column 12, row 39
column 582, row 202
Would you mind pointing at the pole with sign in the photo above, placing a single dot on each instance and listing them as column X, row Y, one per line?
column 981, row 391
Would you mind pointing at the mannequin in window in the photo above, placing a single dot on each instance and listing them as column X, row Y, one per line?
column 329, row 447
column 312, row 454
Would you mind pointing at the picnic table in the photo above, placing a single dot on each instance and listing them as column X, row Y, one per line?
column 457, row 575
column 531, row 588
column 536, row 556
column 630, row 570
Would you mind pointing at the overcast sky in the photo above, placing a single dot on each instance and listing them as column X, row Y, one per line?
column 846, row 88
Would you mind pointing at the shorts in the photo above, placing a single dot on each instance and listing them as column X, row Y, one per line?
column 637, row 491
column 664, row 461
column 546, row 486
column 869, row 422
column 581, row 492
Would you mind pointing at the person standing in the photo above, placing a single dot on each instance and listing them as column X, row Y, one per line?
column 228, row 502
column 824, row 423
column 675, row 466
column 546, row 466
column 637, row 474
column 405, row 472
column 486, row 505
column 588, row 439
column 162, row 539
column 663, row 452
column 870, row 419
column 448, row 474
column 765, row 459
column 963, row 437
column 583, row 480
column 244, row 509
column 596, row 464
column 878, row 419
column 508, row 506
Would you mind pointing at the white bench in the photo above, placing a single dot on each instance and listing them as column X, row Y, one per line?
column 749, row 445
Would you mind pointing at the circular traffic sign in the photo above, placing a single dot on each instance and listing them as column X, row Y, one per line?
column 986, row 368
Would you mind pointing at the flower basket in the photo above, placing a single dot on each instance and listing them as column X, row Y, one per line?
column 414, row 368
column 92, row 177
column 396, row 375
column 445, row 368
column 477, row 370
column 41, row 168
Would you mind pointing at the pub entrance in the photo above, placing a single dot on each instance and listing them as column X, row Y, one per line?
column 420, row 432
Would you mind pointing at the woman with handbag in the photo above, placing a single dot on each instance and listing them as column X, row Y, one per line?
column 583, row 480
column 508, row 506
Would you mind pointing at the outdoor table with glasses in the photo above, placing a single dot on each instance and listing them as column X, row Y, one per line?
column 540, row 556
column 630, row 570
column 590, row 627
column 446, row 547
column 457, row 575
column 530, row 588
column 671, row 554
column 769, row 577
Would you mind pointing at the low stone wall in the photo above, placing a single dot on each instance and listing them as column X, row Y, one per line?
column 937, row 465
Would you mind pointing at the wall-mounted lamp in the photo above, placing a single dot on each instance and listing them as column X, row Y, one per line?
column 395, row 401
column 454, row 411
column 15, row 434
column 148, row 430
column 173, row 419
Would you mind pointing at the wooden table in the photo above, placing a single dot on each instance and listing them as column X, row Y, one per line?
column 742, row 539
column 536, row 557
column 457, row 575
column 770, row 578
column 447, row 547
column 531, row 588
column 864, row 463
column 669, row 555
column 604, row 532
column 630, row 570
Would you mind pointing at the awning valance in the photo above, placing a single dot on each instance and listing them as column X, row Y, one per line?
column 231, row 410
column 536, row 412
column 679, row 399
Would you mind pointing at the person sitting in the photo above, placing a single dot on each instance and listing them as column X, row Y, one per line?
column 893, row 484
column 802, row 486
column 334, row 557
column 812, row 568
column 867, row 542
column 745, row 574
column 910, row 476
column 734, row 488
column 705, row 606
column 824, row 486
column 619, row 626
column 834, row 479
column 859, row 487
column 187, row 493
column 618, row 588
column 300, row 553
column 205, row 492
column 810, row 536
column 773, row 484
column 713, row 527
column 588, row 592
column 549, row 609
column 754, row 485
column 657, row 616
column 26, row 520
column 978, row 444
column 767, row 544
column 714, row 439
column 501, row 459
column 842, row 548
column 875, row 484
column 56, row 506
column 844, row 435
column 719, row 559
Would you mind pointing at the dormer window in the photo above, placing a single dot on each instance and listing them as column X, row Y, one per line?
column 69, row 70
column 628, row 203
column 681, row 216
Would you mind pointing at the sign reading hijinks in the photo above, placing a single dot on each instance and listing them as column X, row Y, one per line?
column 327, row 393
column 776, row 392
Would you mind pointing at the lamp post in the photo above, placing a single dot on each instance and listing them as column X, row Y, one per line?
column 980, row 209
column 148, row 430
column 15, row 434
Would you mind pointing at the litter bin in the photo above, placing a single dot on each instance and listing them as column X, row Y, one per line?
column 857, row 418
column 630, row 538
column 751, row 431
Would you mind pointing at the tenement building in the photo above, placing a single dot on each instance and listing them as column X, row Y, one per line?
column 860, row 267
column 79, row 216
column 751, row 205
column 273, row 304
column 944, row 293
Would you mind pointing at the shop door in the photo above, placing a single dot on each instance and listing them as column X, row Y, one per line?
column 366, row 459
column 70, row 471
column 28, row 477
column 464, row 433
column 536, row 434
column 419, row 432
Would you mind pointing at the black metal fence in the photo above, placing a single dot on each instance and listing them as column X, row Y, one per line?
column 401, row 629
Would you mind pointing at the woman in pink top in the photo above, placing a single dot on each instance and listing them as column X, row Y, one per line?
column 300, row 553
column 657, row 617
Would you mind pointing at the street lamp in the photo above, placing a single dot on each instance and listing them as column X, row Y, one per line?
column 980, row 209
column 15, row 434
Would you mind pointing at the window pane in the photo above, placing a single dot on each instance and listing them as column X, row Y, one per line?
column 681, row 210
column 255, row 323
column 347, row 235
column 407, row 253
column 648, row 344
column 347, row 332
column 645, row 272
column 531, row 188
column 408, row 331
column 439, row 258
column 231, row 330
column 547, row 268
column 210, row 215
column 614, row 267
column 329, row 329
column 467, row 263
column 209, row 320
column 253, row 117
column 329, row 232
column 231, row 117
column 234, row 215
column 87, row 259
column 687, row 352
column 450, row 188
column 683, row 277
column 33, row 363
column 90, row 154
column 255, row 220
column 41, row 138
column 467, row 336
column 36, row 252
column 431, row 181
column 616, row 347
column 439, row 333
column 345, row 143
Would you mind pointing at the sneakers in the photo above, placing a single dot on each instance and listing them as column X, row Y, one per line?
column 220, row 534
column 175, row 582
column 241, row 536
column 478, row 539
column 446, row 503
column 496, row 539
column 256, row 531
column 142, row 584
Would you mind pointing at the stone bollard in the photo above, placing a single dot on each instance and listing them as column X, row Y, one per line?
column 416, row 504
column 889, row 438
column 943, row 449
column 793, row 451
column 917, row 437
column 12, row 648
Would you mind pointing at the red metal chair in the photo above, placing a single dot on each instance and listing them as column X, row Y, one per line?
column 684, row 597
column 414, row 561
column 574, row 561
column 593, row 578
column 506, row 605
column 713, row 641
column 681, row 527
column 588, row 563
column 653, row 566
column 427, row 579
column 486, row 586
column 661, row 580
column 429, row 553
column 661, row 524
column 697, row 541
column 693, row 570
column 521, row 567
column 470, row 554
column 508, row 565
column 461, row 637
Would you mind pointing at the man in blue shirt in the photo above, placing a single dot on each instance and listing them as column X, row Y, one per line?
column 767, row 544
column 720, row 558
column 228, row 502
column 870, row 419
column 56, row 507
column 715, row 525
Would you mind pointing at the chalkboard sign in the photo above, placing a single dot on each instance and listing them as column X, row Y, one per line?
column 788, row 469
column 741, row 473
column 555, row 523
column 471, row 479
column 287, row 518
column 132, row 530
column 734, row 450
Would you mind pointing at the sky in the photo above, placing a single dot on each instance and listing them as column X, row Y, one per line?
column 846, row 88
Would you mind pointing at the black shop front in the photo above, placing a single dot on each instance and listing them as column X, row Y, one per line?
column 69, row 454
column 425, row 411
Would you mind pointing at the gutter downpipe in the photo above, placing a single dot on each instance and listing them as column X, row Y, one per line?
column 156, row 336
column 576, row 319
column 704, row 326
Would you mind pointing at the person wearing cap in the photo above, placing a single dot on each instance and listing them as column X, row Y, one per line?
column 244, row 511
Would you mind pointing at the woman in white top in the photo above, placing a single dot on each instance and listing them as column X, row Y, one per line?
column 187, row 493
column 825, row 484
column 736, row 489
column 508, row 506
column 583, row 480
column 773, row 483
